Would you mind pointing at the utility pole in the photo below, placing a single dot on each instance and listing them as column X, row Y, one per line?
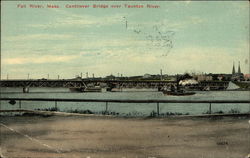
column 48, row 76
column 126, row 22
column 87, row 75
column 58, row 77
column 93, row 75
column 28, row 76
column 81, row 74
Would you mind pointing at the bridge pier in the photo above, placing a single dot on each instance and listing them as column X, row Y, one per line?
column 25, row 89
column 159, row 89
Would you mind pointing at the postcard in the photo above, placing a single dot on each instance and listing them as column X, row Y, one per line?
column 124, row 79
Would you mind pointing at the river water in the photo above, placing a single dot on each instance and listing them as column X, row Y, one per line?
column 127, row 109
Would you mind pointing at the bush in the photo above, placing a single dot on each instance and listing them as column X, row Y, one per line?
column 49, row 109
column 234, row 111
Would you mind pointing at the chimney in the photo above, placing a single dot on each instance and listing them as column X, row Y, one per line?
column 161, row 74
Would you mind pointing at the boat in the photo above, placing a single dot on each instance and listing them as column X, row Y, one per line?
column 177, row 90
column 93, row 89
column 76, row 90
column 208, row 86
column 178, row 93
column 88, row 89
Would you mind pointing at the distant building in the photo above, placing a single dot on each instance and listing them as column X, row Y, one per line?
column 226, row 77
column 77, row 78
column 110, row 77
column 152, row 77
column 156, row 77
column 247, row 77
column 170, row 77
column 237, row 75
column 145, row 76
column 203, row 77
column 135, row 77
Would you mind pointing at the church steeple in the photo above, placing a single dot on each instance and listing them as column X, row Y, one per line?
column 239, row 71
column 233, row 71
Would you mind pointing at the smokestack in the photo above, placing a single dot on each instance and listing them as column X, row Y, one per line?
column 161, row 74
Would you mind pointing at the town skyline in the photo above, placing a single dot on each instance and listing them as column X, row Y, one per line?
column 235, row 71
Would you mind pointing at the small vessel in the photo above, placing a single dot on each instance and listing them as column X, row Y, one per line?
column 178, row 93
column 88, row 89
column 93, row 89
column 76, row 90
column 175, row 90
column 208, row 86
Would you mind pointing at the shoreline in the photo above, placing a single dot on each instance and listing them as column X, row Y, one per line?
column 58, row 113
column 112, row 137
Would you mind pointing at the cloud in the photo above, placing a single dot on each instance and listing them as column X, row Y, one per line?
column 69, row 19
column 197, row 59
column 38, row 37
column 131, row 61
column 38, row 60
column 205, row 59
column 188, row 22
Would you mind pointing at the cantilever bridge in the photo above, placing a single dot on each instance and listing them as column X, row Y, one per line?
column 84, row 83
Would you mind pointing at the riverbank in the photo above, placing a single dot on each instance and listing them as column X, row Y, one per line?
column 107, row 137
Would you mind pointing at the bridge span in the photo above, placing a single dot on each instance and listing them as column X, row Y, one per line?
column 84, row 83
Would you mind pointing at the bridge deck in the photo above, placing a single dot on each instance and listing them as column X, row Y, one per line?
column 105, row 83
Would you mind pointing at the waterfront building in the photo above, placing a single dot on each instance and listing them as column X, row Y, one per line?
column 203, row 77
column 110, row 77
column 247, row 77
column 146, row 76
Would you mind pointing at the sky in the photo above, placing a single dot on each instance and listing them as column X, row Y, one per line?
column 177, row 37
